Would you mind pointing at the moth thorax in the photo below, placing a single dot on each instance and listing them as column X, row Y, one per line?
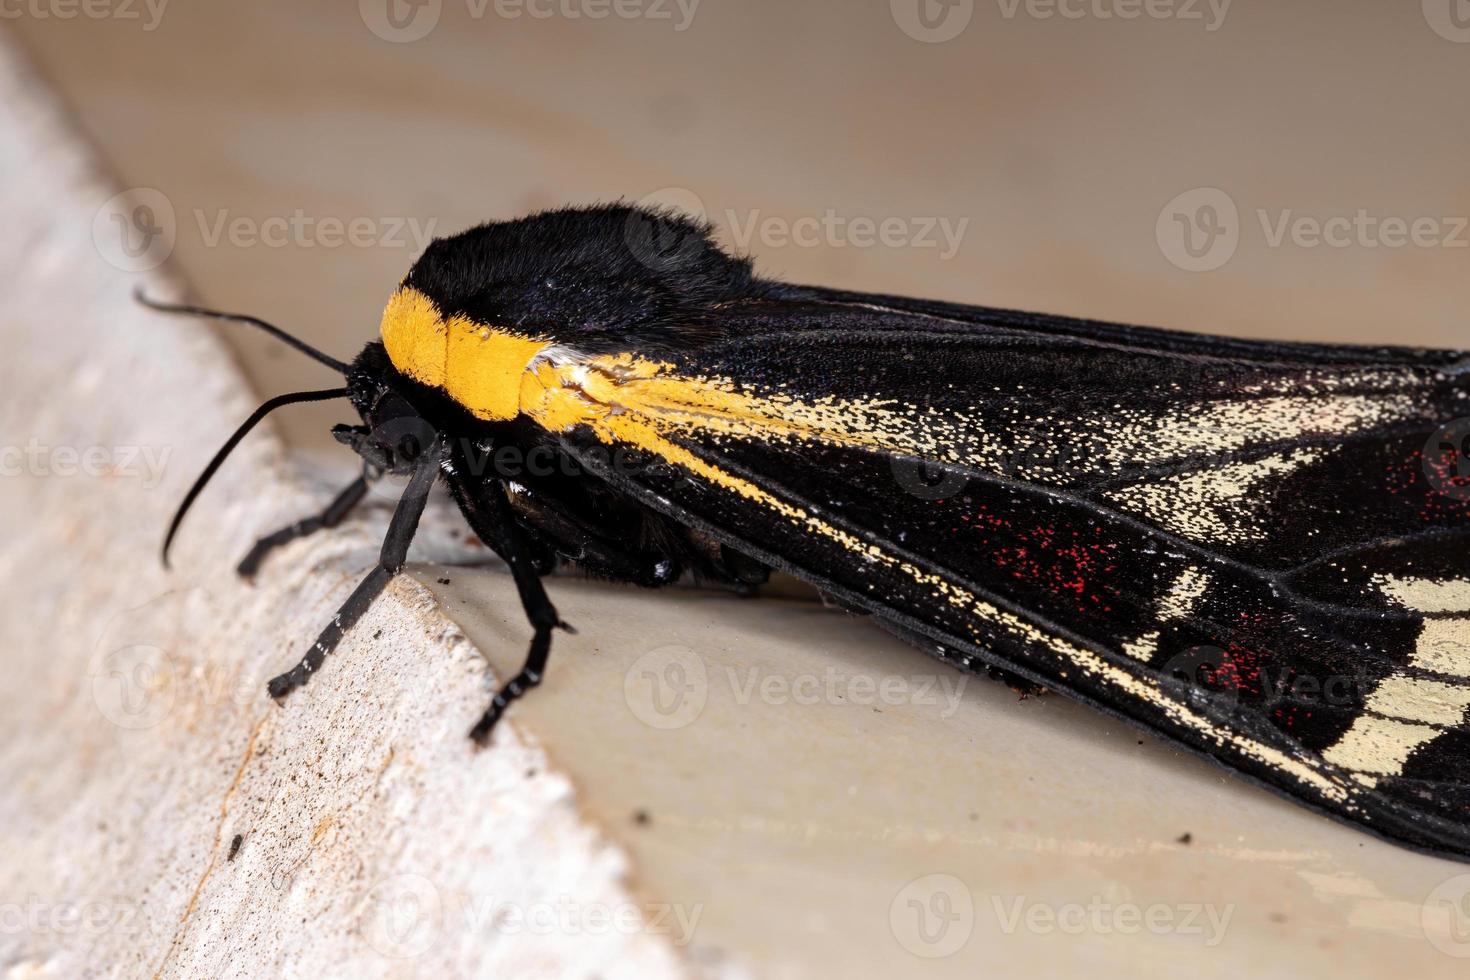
column 479, row 365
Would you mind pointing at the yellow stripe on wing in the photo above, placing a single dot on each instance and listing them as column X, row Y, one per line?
column 625, row 401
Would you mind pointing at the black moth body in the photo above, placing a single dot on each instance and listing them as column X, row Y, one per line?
column 1255, row 550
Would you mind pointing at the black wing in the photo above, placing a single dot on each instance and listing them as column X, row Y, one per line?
column 1241, row 546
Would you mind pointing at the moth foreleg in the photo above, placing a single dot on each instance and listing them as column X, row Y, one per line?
column 394, row 552
column 330, row 517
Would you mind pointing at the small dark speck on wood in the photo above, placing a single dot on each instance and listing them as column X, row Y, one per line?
column 235, row 846
column 1184, row 838
column 642, row 818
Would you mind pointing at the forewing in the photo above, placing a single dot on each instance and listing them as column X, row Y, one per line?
column 1256, row 550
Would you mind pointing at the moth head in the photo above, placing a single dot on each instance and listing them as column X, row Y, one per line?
column 394, row 432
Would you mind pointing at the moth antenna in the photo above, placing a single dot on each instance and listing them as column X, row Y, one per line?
column 269, row 328
column 293, row 398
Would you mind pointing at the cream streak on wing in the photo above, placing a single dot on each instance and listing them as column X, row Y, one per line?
column 563, row 396
column 1221, row 503
column 1011, row 438
column 1179, row 603
column 1407, row 710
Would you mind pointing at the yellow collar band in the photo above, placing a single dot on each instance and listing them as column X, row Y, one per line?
column 478, row 365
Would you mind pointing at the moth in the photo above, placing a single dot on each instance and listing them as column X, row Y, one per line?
column 1255, row 550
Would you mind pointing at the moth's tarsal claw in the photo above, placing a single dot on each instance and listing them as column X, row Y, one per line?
column 480, row 734
column 250, row 565
column 281, row 685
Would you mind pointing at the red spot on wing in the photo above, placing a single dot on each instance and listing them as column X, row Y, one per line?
column 1076, row 564
column 1240, row 669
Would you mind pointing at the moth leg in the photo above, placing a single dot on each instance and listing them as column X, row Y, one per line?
column 395, row 550
column 743, row 574
column 490, row 516
column 330, row 517
column 587, row 545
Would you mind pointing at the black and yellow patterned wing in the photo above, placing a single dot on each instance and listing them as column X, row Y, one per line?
column 1256, row 550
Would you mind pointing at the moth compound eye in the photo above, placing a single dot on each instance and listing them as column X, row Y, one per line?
column 399, row 433
column 389, row 406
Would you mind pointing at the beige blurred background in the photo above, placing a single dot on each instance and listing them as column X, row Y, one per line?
column 1255, row 168
column 1046, row 136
